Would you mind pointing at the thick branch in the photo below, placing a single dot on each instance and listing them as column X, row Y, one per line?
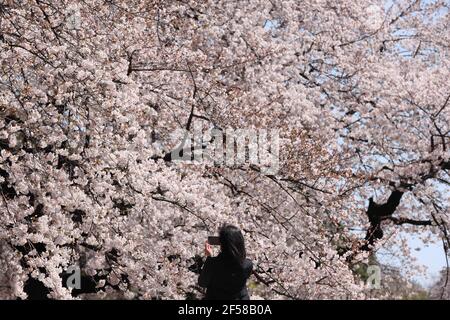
column 404, row 220
column 376, row 212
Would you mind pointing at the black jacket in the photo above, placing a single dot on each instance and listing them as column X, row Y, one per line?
column 224, row 280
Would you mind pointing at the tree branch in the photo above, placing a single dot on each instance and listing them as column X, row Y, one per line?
column 404, row 220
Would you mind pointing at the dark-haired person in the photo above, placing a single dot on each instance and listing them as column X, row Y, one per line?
column 225, row 276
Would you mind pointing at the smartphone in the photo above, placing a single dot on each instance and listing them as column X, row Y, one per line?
column 214, row 240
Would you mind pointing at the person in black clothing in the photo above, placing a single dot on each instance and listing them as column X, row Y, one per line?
column 225, row 276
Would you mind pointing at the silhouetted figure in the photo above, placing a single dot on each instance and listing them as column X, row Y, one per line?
column 225, row 276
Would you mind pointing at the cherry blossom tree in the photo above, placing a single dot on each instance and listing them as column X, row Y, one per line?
column 92, row 92
column 440, row 288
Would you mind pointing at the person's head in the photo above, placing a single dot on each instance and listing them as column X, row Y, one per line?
column 232, row 243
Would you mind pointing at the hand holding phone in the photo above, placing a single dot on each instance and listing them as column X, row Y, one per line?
column 208, row 249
